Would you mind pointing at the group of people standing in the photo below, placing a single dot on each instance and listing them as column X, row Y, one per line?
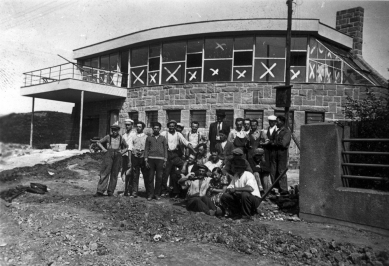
column 241, row 163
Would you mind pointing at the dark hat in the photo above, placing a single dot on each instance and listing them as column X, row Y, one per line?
column 237, row 151
column 202, row 166
column 115, row 125
column 172, row 121
column 220, row 113
column 239, row 163
column 259, row 151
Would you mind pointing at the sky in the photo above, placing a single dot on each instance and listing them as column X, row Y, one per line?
column 33, row 32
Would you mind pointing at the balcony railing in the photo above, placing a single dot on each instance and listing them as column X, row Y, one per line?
column 75, row 71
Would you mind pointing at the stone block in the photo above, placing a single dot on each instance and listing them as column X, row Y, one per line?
column 267, row 92
column 133, row 94
column 220, row 98
column 140, row 103
column 152, row 93
column 190, row 96
column 210, row 89
column 356, row 94
column 309, row 94
column 185, row 114
column 319, row 100
column 237, row 97
column 162, row 103
column 219, row 84
column 295, row 92
column 228, row 99
column 332, row 107
column 314, row 108
column 320, row 92
column 211, row 101
column 255, row 97
column 230, row 89
column 328, row 116
column 188, row 86
column 339, row 90
column 295, row 107
column 328, row 98
column 348, row 92
column 330, row 87
column 331, row 93
column 309, row 102
column 297, row 100
column 343, row 101
column 267, row 101
column 198, row 90
column 174, row 91
column 303, row 92
column 299, row 118
column 200, row 107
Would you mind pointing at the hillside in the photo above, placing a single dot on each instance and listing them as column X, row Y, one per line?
column 49, row 127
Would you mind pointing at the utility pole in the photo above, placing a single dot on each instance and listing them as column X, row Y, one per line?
column 288, row 45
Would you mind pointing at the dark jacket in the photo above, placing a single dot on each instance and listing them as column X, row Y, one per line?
column 226, row 153
column 213, row 131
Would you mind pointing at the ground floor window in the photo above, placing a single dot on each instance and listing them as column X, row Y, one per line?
column 199, row 116
column 255, row 114
column 151, row 118
column 229, row 119
column 134, row 116
column 173, row 115
column 314, row 117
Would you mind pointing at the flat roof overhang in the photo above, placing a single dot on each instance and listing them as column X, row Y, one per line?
column 311, row 26
column 69, row 90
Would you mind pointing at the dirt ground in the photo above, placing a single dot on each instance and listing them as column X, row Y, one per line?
column 67, row 226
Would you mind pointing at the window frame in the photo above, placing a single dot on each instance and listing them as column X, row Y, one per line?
column 170, row 112
column 291, row 114
column 309, row 113
column 200, row 121
column 147, row 114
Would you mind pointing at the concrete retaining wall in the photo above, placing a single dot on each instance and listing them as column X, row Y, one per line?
column 322, row 197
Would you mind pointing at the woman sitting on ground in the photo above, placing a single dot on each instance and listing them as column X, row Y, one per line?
column 217, row 186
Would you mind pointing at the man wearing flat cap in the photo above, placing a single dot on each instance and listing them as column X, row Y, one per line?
column 261, row 170
column 116, row 147
column 174, row 160
column 242, row 196
column 228, row 168
column 197, row 184
column 215, row 128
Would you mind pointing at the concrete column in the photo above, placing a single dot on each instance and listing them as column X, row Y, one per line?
column 81, row 114
column 32, row 121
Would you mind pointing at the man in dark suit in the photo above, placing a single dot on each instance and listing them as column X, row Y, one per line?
column 215, row 128
column 267, row 139
column 281, row 147
column 224, row 147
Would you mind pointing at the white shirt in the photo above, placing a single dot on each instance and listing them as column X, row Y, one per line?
column 247, row 179
column 174, row 140
column 223, row 144
column 212, row 165
column 234, row 133
column 128, row 138
column 271, row 129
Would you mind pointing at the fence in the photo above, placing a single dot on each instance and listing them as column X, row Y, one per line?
column 75, row 71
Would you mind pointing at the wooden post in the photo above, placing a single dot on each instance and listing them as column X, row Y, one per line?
column 288, row 44
column 32, row 121
column 81, row 114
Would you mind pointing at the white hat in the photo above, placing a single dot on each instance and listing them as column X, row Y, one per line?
column 180, row 125
column 128, row 121
column 272, row 117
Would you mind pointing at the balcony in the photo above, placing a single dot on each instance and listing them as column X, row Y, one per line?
column 66, row 82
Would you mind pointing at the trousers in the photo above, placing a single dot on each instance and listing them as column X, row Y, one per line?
column 109, row 172
column 138, row 165
column 156, row 169
column 173, row 161
column 263, row 180
column 281, row 162
column 241, row 203
column 200, row 204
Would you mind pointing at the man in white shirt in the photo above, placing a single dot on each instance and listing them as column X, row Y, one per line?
column 214, row 161
column 138, row 160
column 126, row 160
column 242, row 197
column 174, row 161
column 238, row 137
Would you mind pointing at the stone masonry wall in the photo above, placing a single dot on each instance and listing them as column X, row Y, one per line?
column 229, row 96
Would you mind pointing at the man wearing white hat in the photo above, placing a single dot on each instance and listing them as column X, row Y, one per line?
column 126, row 165
column 267, row 138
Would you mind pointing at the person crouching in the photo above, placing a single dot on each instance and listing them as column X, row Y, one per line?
column 198, row 184
column 242, row 195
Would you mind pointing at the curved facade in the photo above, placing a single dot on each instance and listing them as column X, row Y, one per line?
column 188, row 77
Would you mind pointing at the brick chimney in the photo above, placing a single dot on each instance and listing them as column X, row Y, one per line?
column 350, row 22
